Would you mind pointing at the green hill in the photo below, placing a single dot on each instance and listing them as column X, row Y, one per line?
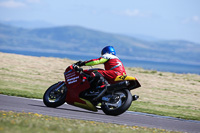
column 79, row 40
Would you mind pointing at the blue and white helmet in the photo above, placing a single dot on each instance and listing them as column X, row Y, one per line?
column 109, row 50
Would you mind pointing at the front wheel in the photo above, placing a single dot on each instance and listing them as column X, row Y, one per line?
column 118, row 103
column 53, row 97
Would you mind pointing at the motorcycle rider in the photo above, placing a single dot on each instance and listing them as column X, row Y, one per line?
column 112, row 64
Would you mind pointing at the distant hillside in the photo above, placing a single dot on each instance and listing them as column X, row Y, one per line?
column 79, row 40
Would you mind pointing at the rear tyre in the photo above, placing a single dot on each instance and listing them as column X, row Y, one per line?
column 54, row 98
column 118, row 104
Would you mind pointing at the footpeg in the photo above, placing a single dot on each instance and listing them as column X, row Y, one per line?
column 135, row 97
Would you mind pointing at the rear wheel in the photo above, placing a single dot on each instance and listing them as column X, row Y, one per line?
column 54, row 98
column 118, row 103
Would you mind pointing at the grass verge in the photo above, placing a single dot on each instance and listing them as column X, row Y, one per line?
column 34, row 123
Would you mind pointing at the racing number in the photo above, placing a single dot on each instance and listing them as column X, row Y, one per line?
column 122, row 77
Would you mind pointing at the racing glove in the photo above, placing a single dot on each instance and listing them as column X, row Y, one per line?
column 80, row 63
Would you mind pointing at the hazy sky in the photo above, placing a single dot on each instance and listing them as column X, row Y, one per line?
column 165, row 19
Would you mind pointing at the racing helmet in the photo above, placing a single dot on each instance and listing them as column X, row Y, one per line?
column 109, row 50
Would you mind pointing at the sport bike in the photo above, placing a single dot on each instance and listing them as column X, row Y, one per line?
column 76, row 90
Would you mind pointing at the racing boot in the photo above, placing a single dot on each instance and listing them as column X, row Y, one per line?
column 102, row 88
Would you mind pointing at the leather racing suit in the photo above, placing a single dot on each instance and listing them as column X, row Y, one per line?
column 112, row 64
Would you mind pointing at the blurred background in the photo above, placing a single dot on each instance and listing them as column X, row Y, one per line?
column 157, row 35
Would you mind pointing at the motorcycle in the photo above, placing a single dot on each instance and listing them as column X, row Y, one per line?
column 76, row 90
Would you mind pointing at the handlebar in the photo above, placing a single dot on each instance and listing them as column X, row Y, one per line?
column 76, row 68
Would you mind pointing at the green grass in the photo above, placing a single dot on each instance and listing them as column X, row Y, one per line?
column 187, row 112
column 21, row 89
column 148, row 71
column 21, row 93
column 37, row 123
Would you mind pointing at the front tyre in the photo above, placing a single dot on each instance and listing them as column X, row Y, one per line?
column 54, row 98
column 118, row 103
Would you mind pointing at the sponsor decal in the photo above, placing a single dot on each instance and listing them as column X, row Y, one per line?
column 72, row 80
column 70, row 75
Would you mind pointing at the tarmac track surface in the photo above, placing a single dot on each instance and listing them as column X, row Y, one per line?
column 18, row 104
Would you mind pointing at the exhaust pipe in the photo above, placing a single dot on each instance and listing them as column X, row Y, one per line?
column 135, row 97
column 118, row 86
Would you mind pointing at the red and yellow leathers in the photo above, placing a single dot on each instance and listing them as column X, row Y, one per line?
column 112, row 64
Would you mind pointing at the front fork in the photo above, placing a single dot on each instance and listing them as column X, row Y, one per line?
column 60, row 84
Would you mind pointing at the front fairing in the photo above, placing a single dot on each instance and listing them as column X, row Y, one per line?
column 77, row 83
